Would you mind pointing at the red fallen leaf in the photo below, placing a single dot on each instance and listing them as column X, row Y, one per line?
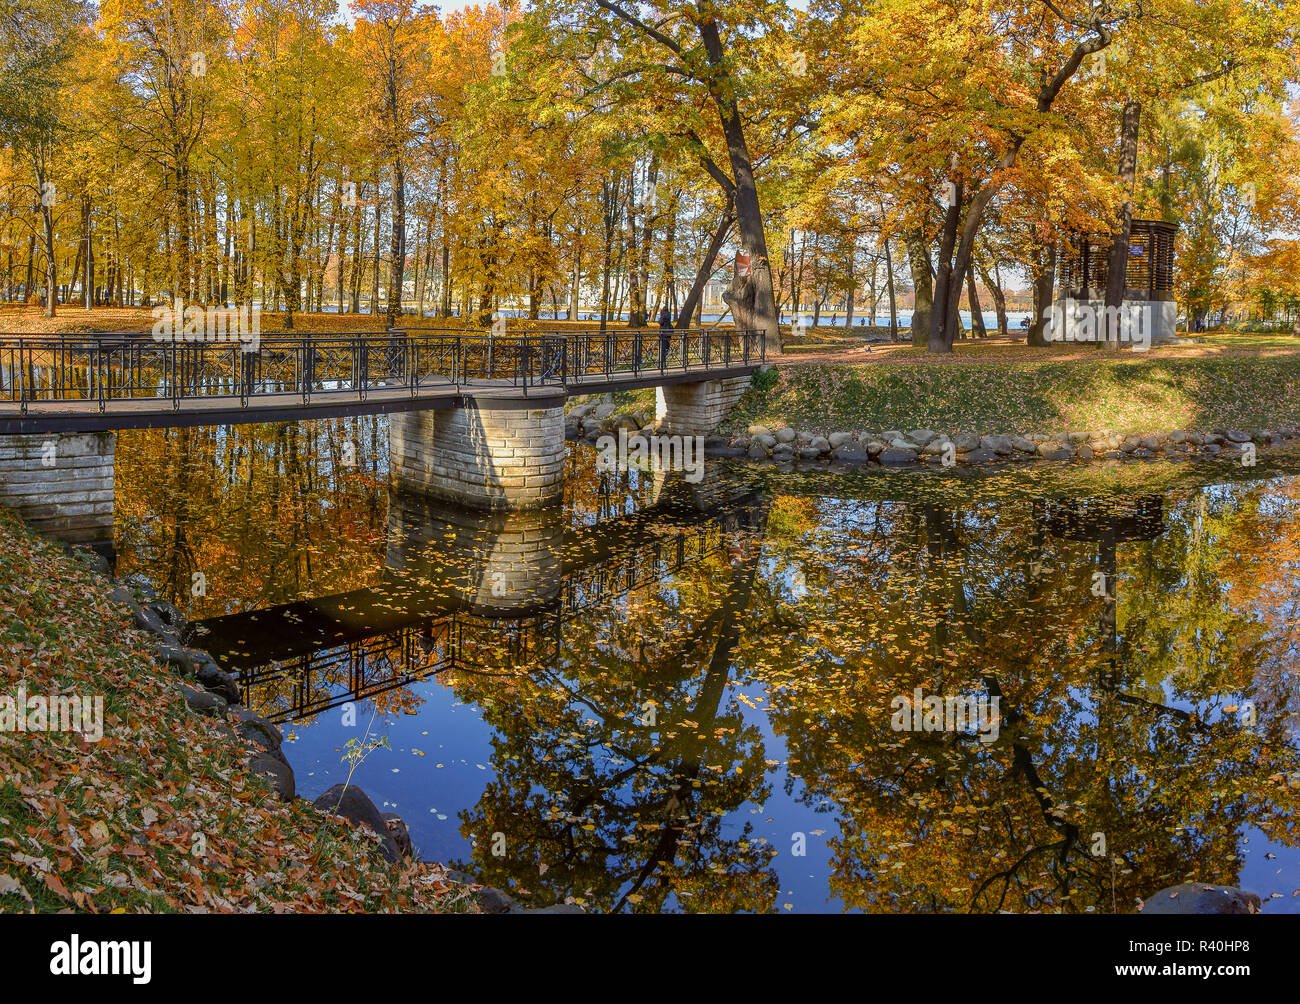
column 56, row 885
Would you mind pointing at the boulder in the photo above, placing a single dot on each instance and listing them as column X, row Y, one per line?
column 896, row 456
column 1000, row 445
column 838, row 439
column 401, row 834
column 935, row 447
column 276, row 770
column 786, row 435
column 1023, row 445
column 1237, row 436
column 203, row 703
column 1084, row 452
column 1150, row 443
column 603, row 410
column 965, row 442
column 148, row 620
column 176, row 658
column 579, row 411
column 141, row 586
column 757, row 451
column 1142, row 453
column 255, row 729
column 979, row 455
column 783, row 453
column 91, row 559
column 1202, row 898
column 850, row 452
column 218, row 681
column 352, row 804
column 172, row 617
column 903, row 443
column 125, row 596
column 809, row 453
column 759, row 430
column 922, row 437
column 821, row 444
column 492, row 900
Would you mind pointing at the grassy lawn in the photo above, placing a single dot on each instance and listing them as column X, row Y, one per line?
column 160, row 814
column 1210, row 382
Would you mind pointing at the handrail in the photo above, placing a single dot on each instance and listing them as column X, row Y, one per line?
column 106, row 367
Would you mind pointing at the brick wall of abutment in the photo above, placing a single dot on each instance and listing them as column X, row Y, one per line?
column 61, row 483
column 698, row 408
column 484, row 455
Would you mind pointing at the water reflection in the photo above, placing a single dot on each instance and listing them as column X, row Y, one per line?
column 672, row 697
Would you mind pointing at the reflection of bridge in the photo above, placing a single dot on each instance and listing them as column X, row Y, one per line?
column 467, row 591
column 476, row 418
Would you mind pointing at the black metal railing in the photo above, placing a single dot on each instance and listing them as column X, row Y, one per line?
column 103, row 368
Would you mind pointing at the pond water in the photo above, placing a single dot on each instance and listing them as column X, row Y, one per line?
column 665, row 696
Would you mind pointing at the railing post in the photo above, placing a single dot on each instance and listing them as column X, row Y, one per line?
column 361, row 364
column 23, row 368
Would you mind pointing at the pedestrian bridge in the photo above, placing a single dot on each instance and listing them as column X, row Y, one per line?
column 108, row 381
column 477, row 418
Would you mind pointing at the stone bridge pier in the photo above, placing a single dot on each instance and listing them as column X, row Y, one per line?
column 61, row 484
column 696, row 408
column 483, row 454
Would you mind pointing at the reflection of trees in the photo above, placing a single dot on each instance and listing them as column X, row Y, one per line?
column 622, row 814
column 976, row 597
column 265, row 512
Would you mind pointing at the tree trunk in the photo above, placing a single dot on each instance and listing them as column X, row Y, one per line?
column 918, row 258
column 977, row 328
column 754, row 303
column 695, row 297
column 994, row 284
column 945, row 296
column 397, row 268
column 1044, row 294
column 1117, row 260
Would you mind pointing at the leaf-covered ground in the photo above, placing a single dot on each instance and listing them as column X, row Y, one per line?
column 1011, row 388
column 161, row 814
